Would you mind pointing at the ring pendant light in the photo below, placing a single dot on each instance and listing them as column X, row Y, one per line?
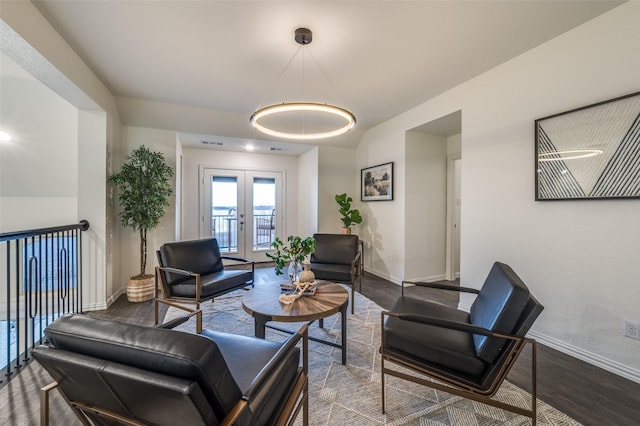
column 303, row 36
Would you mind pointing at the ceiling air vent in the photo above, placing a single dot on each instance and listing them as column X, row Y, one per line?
column 212, row 143
column 273, row 148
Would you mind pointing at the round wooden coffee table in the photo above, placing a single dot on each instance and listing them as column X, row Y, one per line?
column 261, row 302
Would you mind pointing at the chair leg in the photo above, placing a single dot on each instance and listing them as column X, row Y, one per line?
column 353, row 297
column 44, row 403
column 382, row 382
column 198, row 319
column 382, row 359
column 534, row 383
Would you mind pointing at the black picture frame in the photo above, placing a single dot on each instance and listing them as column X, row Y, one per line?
column 376, row 183
column 589, row 153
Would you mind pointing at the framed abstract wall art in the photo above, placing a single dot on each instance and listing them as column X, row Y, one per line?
column 377, row 183
column 591, row 152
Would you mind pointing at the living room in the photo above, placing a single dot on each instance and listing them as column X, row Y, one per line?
column 576, row 256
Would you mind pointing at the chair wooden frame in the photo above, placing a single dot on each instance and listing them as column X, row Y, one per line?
column 298, row 399
column 180, row 302
column 356, row 275
column 449, row 384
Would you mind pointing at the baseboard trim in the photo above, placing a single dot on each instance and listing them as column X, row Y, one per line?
column 581, row 354
column 586, row 356
column 94, row 307
column 431, row 279
column 116, row 295
column 104, row 305
column 398, row 281
column 382, row 275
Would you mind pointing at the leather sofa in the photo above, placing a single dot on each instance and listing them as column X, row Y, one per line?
column 108, row 370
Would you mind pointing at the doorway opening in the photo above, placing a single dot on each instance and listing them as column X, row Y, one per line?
column 432, row 214
column 242, row 210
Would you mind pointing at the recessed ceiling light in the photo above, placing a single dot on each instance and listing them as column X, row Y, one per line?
column 4, row 136
column 249, row 147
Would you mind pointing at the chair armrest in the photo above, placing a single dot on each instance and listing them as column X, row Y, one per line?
column 440, row 286
column 177, row 271
column 267, row 371
column 177, row 321
column 258, row 384
column 452, row 325
column 356, row 264
column 237, row 259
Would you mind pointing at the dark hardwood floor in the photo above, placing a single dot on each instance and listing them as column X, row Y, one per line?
column 589, row 394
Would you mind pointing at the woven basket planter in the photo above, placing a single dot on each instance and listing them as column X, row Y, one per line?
column 140, row 289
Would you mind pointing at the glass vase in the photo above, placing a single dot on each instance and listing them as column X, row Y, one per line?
column 294, row 271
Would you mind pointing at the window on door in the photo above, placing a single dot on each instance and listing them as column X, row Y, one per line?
column 242, row 210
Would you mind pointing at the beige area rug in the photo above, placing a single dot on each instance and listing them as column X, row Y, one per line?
column 350, row 394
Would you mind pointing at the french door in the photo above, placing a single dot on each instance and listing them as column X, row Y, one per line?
column 242, row 210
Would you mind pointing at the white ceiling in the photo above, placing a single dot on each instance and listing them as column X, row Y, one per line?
column 202, row 67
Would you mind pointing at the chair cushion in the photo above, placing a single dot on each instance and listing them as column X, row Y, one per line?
column 198, row 256
column 332, row 272
column 498, row 307
column 447, row 348
column 335, row 248
column 182, row 355
column 214, row 284
column 235, row 348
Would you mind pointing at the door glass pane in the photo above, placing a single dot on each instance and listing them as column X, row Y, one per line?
column 224, row 212
column 264, row 212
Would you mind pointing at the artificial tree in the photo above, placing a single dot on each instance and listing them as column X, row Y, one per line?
column 144, row 185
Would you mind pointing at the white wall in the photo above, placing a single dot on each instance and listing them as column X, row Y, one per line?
column 38, row 168
column 426, row 206
column 383, row 230
column 308, row 193
column 578, row 258
column 163, row 141
column 92, row 206
column 337, row 174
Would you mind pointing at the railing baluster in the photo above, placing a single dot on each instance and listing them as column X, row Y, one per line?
column 8, row 321
column 18, row 365
column 44, row 266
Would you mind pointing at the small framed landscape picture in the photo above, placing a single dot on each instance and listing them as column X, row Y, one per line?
column 377, row 183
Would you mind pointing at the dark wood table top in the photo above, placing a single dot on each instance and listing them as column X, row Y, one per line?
column 263, row 300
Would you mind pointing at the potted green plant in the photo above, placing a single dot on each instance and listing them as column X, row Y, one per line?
column 294, row 253
column 349, row 215
column 144, row 185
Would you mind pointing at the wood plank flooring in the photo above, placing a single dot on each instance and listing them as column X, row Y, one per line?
column 588, row 394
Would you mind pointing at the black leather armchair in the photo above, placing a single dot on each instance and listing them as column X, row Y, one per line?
column 337, row 258
column 193, row 272
column 109, row 371
column 469, row 354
